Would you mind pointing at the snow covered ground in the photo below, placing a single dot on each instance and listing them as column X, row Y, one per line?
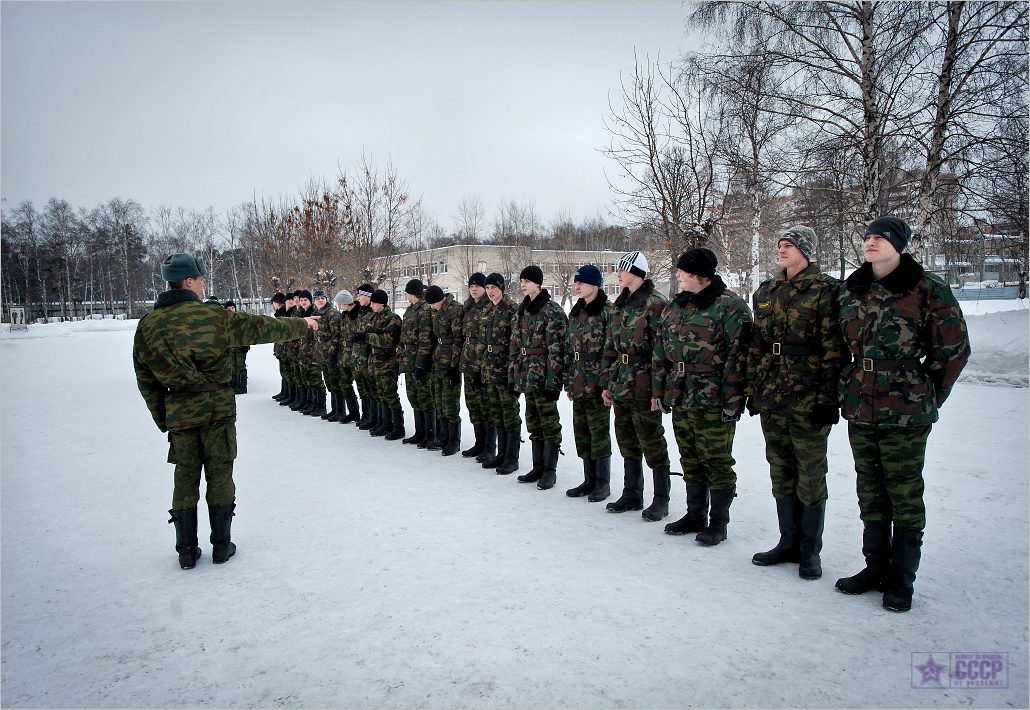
column 373, row 575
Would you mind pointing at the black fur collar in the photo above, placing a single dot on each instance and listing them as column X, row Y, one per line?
column 902, row 280
column 592, row 308
column 534, row 306
column 175, row 295
column 705, row 297
column 304, row 313
column 352, row 313
column 635, row 299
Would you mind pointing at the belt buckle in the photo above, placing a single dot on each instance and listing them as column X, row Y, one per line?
column 681, row 367
column 575, row 357
column 776, row 349
column 523, row 350
column 468, row 341
column 867, row 364
column 625, row 359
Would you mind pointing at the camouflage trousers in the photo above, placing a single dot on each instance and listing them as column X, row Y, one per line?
column 640, row 432
column 592, row 426
column 294, row 372
column 889, row 467
column 284, row 370
column 344, row 380
column 420, row 392
column 503, row 408
column 476, row 401
column 446, row 399
column 386, row 391
column 542, row 420
column 310, row 376
column 211, row 447
column 796, row 452
column 239, row 363
column 706, row 447
column 330, row 377
column 366, row 386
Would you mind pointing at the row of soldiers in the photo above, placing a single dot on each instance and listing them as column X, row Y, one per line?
column 885, row 346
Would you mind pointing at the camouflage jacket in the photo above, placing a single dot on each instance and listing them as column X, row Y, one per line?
column 306, row 345
column 384, row 335
column 471, row 350
column 795, row 355
column 538, row 345
column 417, row 340
column 362, row 324
column 495, row 340
column 626, row 368
column 447, row 327
column 348, row 326
column 327, row 339
column 700, row 354
column 291, row 348
column 907, row 341
column 278, row 348
column 186, row 342
column 589, row 325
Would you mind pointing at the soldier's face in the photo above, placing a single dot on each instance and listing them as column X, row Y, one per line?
column 320, row 302
column 377, row 307
column 690, row 282
column 412, row 299
column 363, row 300
column 530, row 288
column 879, row 250
column 790, row 256
column 476, row 291
column 494, row 294
column 436, row 306
column 305, row 303
column 585, row 291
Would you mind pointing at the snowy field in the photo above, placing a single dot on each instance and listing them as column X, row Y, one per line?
column 370, row 574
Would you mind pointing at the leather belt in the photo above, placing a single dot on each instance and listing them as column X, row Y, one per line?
column 495, row 348
column 871, row 365
column 206, row 387
column 471, row 341
column 586, row 357
column 377, row 351
column 532, row 351
column 445, row 341
column 634, row 359
column 788, row 349
column 685, row 367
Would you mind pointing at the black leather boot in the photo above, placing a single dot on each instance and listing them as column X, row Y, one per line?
column 285, row 400
column 318, row 408
column 550, row 477
column 350, row 404
column 302, row 399
column 453, row 438
column 477, row 448
column 420, row 428
column 335, row 408
column 632, row 497
column 534, row 474
column 696, row 518
column 489, row 452
column 512, row 444
column 907, row 549
column 222, row 547
column 372, row 410
column 812, row 519
column 440, row 432
column 659, row 507
column 877, row 549
column 430, row 418
column 397, row 431
column 502, row 446
column 243, row 384
column 282, row 392
column 603, row 476
column 385, row 423
column 719, row 518
column 589, row 480
column 366, row 413
column 186, row 543
column 786, row 549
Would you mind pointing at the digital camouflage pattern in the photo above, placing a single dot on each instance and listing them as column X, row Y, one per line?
column 384, row 334
column 908, row 315
column 186, row 342
column 705, row 443
column 634, row 324
column 495, row 339
column 591, row 426
column 889, row 463
column 585, row 340
column 416, row 348
column 472, row 350
column 708, row 331
column 796, row 452
column 640, row 432
column 448, row 341
column 538, row 323
column 800, row 312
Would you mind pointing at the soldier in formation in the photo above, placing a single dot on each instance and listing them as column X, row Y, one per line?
column 323, row 354
column 413, row 359
column 471, row 364
column 359, row 359
column 344, row 370
column 502, row 399
column 280, row 310
column 445, row 378
column 381, row 337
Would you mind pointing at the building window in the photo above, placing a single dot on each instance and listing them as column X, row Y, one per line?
column 481, row 267
column 443, row 266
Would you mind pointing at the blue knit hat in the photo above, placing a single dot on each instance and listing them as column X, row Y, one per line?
column 318, row 294
column 589, row 274
column 179, row 267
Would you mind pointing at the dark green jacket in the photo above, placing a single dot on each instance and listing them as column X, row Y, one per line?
column 416, row 348
column 327, row 338
column 472, row 350
column 447, row 335
column 538, row 344
column 384, row 335
column 495, row 339
column 626, row 372
column 589, row 325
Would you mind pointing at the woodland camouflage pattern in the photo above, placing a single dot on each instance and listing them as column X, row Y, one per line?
column 908, row 315
column 634, row 324
column 889, row 467
column 327, row 337
column 186, row 342
column 416, row 337
column 384, row 331
column 711, row 329
column 495, row 340
column 472, row 353
column 538, row 323
column 589, row 325
column 359, row 352
column 801, row 311
column 447, row 325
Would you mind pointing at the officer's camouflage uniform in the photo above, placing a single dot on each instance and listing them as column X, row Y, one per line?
column 415, row 353
column 327, row 345
column 384, row 335
column 472, row 359
column 698, row 371
column 908, row 343
column 538, row 363
column 627, row 375
column 793, row 363
column 495, row 340
column 184, row 342
column 587, row 334
column 446, row 358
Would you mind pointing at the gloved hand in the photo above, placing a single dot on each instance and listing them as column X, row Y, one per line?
column 729, row 415
column 453, row 376
column 358, row 338
column 419, row 374
column 477, row 381
column 825, row 414
column 752, row 410
column 551, row 395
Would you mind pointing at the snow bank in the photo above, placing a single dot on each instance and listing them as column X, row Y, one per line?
column 1000, row 345
column 55, row 330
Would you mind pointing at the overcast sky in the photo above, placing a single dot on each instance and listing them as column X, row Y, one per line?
column 207, row 103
